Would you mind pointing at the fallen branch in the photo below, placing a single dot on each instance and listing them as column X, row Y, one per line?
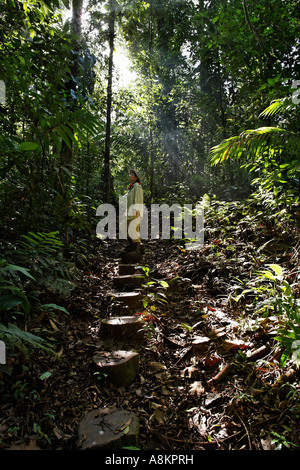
column 223, row 373
column 198, row 443
column 259, row 353
column 254, row 356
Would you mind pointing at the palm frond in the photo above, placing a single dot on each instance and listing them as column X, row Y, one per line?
column 270, row 140
column 250, row 143
column 274, row 108
column 280, row 105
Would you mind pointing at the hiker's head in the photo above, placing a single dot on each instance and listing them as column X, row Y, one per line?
column 134, row 176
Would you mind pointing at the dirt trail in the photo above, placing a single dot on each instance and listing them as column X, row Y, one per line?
column 196, row 388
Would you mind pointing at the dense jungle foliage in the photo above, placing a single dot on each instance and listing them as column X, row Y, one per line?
column 211, row 115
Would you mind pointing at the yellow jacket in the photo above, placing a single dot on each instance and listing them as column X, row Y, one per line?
column 135, row 196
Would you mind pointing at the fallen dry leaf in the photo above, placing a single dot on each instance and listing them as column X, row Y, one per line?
column 190, row 372
column 158, row 412
column 199, row 422
column 212, row 360
column 125, row 425
column 158, row 415
column 228, row 345
column 166, row 391
column 196, row 389
column 156, row 367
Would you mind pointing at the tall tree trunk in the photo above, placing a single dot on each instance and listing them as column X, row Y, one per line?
column 151, row 164
column 151, row 114
column 107, row 173
column 67, row 153
column 77, row 7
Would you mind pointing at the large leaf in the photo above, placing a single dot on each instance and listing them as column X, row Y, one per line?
column 14, row 268
column 28, row 146
column 8, row 301
column 276, row 268
column 54, row 307
column 16, row 294
column 277, row 106
column 23, row 339
column 260, row 141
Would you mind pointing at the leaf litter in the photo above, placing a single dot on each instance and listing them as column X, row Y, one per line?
column 195, row 390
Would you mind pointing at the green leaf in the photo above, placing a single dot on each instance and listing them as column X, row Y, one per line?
column 45, row 375
column 9, row 301
column 56, row 139
column 249, row 143
column 14, row 268
column 276, row 268
column 66, row 3
column 268, row 275
column 286, row 288
column 54, row 307
column 18, row 293
column 64, row 138
column 23, row 339
column 28, row 146
column 164, row 284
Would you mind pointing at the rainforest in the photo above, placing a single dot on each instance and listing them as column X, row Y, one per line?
column 164, row 349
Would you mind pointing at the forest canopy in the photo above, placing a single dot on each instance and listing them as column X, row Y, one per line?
column 205, row 71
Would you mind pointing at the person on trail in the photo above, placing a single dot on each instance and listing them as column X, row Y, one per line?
column 135, row 198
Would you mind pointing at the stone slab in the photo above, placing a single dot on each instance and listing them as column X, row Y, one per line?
column 130, row 299
column 120, row 366
column 108, row 429
column 129, row 281
column 125, row 269
column 125, row 329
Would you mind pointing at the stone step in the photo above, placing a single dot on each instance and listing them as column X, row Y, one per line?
column 125, row 269
column 131, row 258
column 108, row 429
column 126, row 329
column 129, row 299
column 129, row 281
column 120, row 366
column 200, row 345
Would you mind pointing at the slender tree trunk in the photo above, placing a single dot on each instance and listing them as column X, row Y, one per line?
column 151, row 176
column 107, row 173
column 270, row 55
column 77, row 7
column 151, row 164
column 67, row 153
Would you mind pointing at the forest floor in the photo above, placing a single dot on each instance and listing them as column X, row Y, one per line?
column 210, row 397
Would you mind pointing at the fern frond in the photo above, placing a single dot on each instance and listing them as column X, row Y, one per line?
column 24, row 340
